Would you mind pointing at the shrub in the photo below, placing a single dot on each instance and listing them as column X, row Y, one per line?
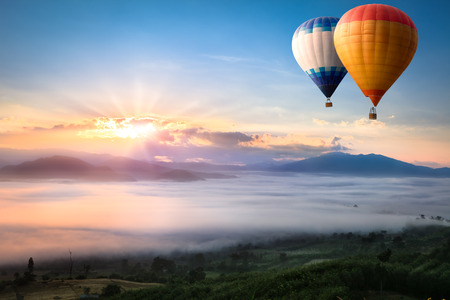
column 111, row 290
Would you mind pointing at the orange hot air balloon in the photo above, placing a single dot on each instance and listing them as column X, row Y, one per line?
column 376, row 43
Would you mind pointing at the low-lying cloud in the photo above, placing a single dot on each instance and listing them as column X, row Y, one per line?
column 45, row 219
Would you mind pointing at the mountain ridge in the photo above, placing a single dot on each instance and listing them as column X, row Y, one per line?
column 112, row 169
column 360, row 164
column 64, row 167
column 126, row 169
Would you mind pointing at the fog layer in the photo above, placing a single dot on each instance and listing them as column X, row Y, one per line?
column 43, row 219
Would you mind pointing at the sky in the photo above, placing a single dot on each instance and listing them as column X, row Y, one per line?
column 212, row 81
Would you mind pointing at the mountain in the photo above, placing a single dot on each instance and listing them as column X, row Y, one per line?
column 143, row 170
column 61, row 167
column 361, row 165
column 180, row 175
column 139, row 169
column 10, row 156
column 111, row 169
column 202, row 166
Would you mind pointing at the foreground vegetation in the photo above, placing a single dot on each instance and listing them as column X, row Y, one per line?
column 413, row 264
column 405, row 270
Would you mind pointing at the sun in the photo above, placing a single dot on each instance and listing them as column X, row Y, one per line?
column 126, row 128
column 135, row 131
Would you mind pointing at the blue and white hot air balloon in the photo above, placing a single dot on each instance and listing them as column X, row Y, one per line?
column 314, row 51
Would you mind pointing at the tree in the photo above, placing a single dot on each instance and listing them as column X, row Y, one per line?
column 86, row 268
column 162, row 265
column 111, row 290
column 196, row 275
column 385, row 255
column 28, row 275
column 30, row 266
column 198, row 260
column 70, row 264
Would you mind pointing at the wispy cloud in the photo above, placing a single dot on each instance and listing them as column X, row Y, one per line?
column 227, row 58
column 320, row 122
column 363, row 122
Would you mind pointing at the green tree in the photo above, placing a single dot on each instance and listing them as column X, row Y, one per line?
column 31, row 266
column 162, row 265
column 111, row 290
column 196, row 275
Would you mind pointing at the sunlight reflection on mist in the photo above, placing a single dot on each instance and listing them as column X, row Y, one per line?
column 47, row 218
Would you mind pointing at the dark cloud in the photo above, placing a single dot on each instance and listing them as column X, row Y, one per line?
column 336, row 140
column 224, row 139
column 190, row 132
column 217, row 138
column 233, row 147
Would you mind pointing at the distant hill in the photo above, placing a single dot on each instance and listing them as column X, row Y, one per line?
column 143, row 170
column 112, row 169
column 360, row 165
column 139, row 169
column 10, row 156
column 109, row 168
column 63, row 167
column 180, row 175
column 203, row 167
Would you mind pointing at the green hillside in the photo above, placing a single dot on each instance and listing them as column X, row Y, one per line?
column 412, row 264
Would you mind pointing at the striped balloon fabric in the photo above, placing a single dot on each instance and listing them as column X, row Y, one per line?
column 376, row 42
column 314, row 51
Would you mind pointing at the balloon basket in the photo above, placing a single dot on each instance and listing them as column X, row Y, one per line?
column 372, row 114
column 328, row 103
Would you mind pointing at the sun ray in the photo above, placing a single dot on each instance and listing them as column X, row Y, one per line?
column 130, row 127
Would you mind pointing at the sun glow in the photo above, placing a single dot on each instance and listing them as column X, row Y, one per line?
column 131, row 127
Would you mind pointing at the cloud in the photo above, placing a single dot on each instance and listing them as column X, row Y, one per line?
column 224, row 139
column 84, row 125
column 342, row 124
column 336, row 140
column 320, row 122
column 162, row 158
column 158, row 138
column 363, row 122
column 131, row 127
column 200, row 144
column 199, row 160
column 12, row 124
column 117, row 218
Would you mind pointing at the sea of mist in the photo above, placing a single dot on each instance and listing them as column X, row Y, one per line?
column 44, row 219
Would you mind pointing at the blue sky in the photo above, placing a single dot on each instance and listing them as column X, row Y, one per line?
column 222, row 67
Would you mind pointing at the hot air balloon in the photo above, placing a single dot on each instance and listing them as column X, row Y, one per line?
column 376, row 43
column 313, row 48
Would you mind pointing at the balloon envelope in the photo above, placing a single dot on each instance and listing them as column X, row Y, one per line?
column 376, row 43
column 313, row 48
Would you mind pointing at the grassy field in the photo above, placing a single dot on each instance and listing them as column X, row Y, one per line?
column 68, row 289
